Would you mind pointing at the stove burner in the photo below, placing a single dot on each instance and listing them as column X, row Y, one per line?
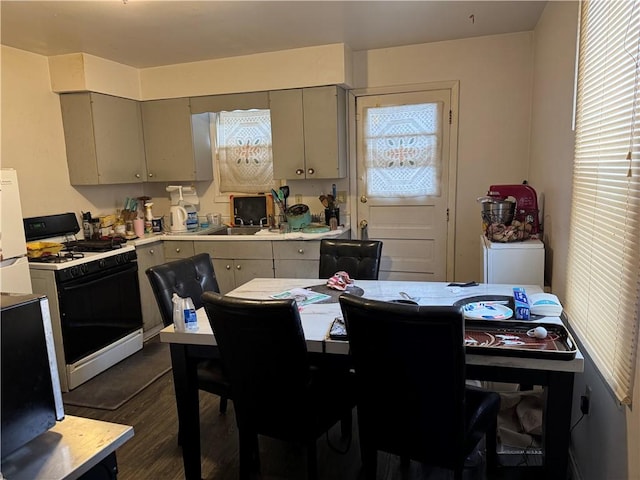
column 88, row 245
column 73, row 255
column 61, row 257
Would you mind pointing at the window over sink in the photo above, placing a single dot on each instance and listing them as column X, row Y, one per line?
column 243, row 153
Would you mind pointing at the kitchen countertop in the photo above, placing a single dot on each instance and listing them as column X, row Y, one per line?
column 69, row 449
column 262, row 235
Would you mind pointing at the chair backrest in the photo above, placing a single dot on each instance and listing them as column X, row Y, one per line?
column 412, row 357
column 264, row 355
column 188, row 277
column 359, row 258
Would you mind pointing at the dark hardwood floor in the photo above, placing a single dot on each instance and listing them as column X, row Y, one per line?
column 153, row 452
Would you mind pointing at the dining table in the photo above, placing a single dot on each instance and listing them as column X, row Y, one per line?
column 553, row 372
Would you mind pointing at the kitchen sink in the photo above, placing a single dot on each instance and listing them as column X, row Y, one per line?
column 239, row 230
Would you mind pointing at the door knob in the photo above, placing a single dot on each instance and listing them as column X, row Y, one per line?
column 364, row 232
column 363, row 199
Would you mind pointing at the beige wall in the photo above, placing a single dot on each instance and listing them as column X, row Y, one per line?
column 33, row 142
column 495, row 75
column 301, row 67
column 552, row 135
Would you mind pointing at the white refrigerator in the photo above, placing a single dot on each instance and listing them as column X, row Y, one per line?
column 14, row 266
column 516, row 263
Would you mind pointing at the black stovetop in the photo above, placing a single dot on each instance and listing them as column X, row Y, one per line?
column 94, row 245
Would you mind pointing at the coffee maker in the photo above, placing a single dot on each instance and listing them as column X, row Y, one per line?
column 526, row 210
column 183, row 213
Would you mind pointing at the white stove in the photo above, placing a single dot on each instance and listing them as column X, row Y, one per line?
column 94, row 299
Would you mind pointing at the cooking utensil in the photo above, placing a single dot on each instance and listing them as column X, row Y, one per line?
column 324, row 200
column 285, row 194
column 278, row 202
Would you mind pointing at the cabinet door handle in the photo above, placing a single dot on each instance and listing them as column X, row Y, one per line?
column 228, row 267
column 299, row 171
column 238, row 267
column 150, row 175
column 311, row 171
column 301, row 251
column 151, row 252
column 177, row 250
column 137, row 175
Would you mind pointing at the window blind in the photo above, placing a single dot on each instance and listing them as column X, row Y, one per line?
column 603, row 271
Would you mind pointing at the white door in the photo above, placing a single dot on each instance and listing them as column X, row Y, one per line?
column 406, row 180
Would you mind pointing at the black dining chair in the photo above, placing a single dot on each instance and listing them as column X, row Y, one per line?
column 416, row 352
column 190, row 277
column 359, row 258
column 275, row 390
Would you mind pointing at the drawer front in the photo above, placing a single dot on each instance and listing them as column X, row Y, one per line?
column 258, row 249
column 174, row 249
column 297, row 250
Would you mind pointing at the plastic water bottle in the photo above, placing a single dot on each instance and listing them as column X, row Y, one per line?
column 190, row 318
column 178, row 313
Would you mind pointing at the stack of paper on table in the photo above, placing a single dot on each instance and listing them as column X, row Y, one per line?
column 302, row 296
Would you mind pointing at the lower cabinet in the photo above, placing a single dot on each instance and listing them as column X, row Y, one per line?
column 148, row 256
column 235, row 263
column 296, row 259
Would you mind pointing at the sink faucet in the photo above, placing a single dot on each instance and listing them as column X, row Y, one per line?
column 238, row 220
column 263, row 222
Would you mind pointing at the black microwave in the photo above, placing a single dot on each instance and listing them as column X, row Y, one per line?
column 30, row 399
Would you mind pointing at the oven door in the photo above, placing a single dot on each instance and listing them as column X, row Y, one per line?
column 99, row 309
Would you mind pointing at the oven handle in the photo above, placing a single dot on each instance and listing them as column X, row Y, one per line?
column 89, row 280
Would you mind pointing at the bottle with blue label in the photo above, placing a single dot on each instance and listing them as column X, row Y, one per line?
column 192, row 217
column 190, row 318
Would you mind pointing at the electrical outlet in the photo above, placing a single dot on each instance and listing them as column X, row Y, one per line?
column 341, row 196
column 298, row 198
column 585, row 401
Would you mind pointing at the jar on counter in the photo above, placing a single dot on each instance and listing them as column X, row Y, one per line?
column 96, row 231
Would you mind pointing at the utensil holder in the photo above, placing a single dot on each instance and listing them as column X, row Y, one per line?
column 331, row 212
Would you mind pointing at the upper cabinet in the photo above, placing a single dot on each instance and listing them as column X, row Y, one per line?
column 177, row 143
column 104, row 139
column 309, row 133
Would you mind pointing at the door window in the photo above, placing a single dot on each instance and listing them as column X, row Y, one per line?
column 403, row 150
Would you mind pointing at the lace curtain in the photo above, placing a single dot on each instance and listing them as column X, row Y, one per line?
column 244, row 151
column 404, row 150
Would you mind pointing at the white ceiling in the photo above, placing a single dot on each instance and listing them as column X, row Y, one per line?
column 151, row 33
